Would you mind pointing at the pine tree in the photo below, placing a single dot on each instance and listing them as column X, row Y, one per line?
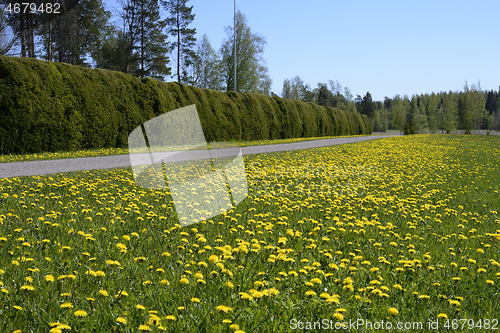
column 325, row 96
column 73, row 34
column 140, row 48
column 23, row 24
column 152, row 46
column 367, row 105
column 7, row 37
column 180, row 17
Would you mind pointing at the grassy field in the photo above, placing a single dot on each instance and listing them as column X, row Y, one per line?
column 399, row 230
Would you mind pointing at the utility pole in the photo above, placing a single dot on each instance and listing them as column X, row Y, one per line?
column 234, row 45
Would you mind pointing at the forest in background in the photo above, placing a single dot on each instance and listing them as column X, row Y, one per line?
column 471, row 109
column 148, row 44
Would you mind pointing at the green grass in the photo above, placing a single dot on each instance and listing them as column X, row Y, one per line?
column 343, row 233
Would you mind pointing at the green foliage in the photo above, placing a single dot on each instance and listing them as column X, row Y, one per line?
column 180, row 17
column 250, row 69
column 398, row 114
column 151, row 48
column 48, row 107
column 206, row 67
column 367, row 106
column 291, row 124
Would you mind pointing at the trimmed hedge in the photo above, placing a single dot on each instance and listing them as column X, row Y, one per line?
column 51, row 106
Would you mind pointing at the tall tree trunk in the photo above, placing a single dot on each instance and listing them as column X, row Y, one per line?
column 23, row 35
column 60, row 39
column 31, row 42
column 142, row 40
column 49, row 48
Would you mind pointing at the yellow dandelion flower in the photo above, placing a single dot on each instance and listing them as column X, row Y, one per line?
column 80, row 313
column 184, row 281
column 213, row 259
column 393, row 311
column 121, row 246
column 171, row 318
column 338, row 316
column 316, row 280
column 246, row 296
column 223, row 308
column 144, row 328
column 121, row 320
column 195, row 300
column 140, row 307
column 49, row 278
column 332, row 299
column 310, row 293
column 103, row 293
column 442, row 316
column 28, row 287
column 66, row 305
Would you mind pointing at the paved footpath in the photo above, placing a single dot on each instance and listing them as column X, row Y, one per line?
column 36, row 168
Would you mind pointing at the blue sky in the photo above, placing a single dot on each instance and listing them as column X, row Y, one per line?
column 384, row 47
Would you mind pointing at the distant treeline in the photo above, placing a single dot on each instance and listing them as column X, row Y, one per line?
column 467, row 110
column 49, row 106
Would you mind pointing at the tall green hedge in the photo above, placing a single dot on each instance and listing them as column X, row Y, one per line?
column 50, row 106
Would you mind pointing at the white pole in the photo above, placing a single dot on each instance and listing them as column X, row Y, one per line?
column 235, row 45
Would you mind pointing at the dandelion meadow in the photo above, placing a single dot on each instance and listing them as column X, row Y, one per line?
column 397, row 229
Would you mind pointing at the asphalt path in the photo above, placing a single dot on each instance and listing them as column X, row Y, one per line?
column 46, row 167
